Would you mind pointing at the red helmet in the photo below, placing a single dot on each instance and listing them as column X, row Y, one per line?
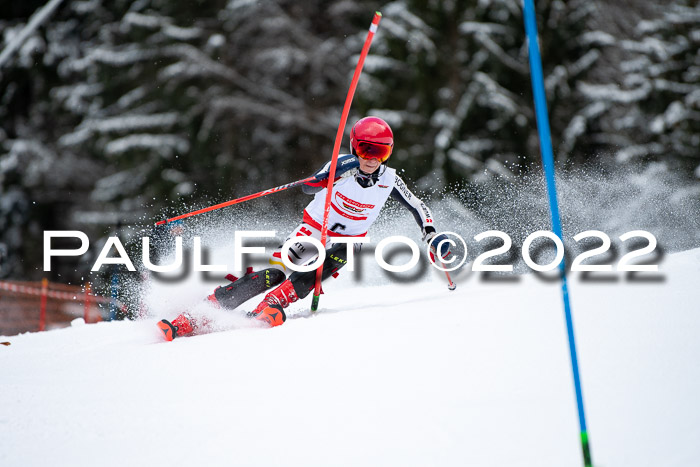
column 375, row 131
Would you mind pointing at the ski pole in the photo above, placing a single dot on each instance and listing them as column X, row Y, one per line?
column 336, row 148
column 238, row 200
column 450, row 285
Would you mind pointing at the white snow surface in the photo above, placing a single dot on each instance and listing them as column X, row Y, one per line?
column 393, row 374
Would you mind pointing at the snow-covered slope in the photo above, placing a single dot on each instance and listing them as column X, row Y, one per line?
column 408, row 375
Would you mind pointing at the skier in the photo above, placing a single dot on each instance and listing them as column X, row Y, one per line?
column 363, row 183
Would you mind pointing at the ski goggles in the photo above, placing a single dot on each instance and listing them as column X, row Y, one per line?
column 366, row 150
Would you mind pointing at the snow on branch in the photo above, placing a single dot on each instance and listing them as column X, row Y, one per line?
column 193, row 55
column 597, row 38
column 164, row 24
column 509, row 5
column 674, row 114
column 496, row 50
column 472, row 27
column 240, row 6
column 284, row 59
column 244, row 105
column 496, row 94
column 450, row 123
column 650, row 46
column 494, row 166
column 76, row 97
column 118, row 184
column 556, row 78
column 561, row 73
column 693, row 99
column 85, row 7
column 400, row 23
column 375, row 63
column 595, row 110
column 613, row 93
column 144, row 21
column 38, row 18
column 117, row 58
column 182, row 34
column 637, row 151
column 584, row 63
column 132, row 122
column 678, row 16
column 36, row 159
column 464, row 161
column 397, row 10
column 416, row 39
column 578, row 125
column 636, row 64
column 476, row 145
column 397, row 118
column 131, row 97
column 164, row 145
column 122, row 124
column 463, row 154
column 678, row 88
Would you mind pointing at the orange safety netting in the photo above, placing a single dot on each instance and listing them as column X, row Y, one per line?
column 21, row 306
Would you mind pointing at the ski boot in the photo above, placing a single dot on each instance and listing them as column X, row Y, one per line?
column 183, row 325
column 273, row 315
column 271, row 309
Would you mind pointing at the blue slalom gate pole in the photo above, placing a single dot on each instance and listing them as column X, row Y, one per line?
column 114, row 292
column 548, row 163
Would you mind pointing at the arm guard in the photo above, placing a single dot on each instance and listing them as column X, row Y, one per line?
column 347, row 166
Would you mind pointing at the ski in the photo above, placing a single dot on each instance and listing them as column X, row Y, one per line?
column 228, row 297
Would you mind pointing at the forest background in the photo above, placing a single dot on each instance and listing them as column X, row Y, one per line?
column 115, row 114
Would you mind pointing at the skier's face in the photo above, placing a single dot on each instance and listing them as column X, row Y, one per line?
column 369, row 166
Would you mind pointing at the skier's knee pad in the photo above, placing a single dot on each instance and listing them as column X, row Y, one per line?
column 299, row 252
column 336, row 258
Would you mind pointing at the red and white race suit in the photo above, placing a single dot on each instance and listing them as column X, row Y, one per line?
column 353, row 210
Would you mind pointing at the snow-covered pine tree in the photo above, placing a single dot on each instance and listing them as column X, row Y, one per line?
column 121, row 106
column 650, row 111
column 453, row 77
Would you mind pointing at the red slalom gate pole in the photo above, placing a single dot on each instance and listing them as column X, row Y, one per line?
column 42, row 307
column 238, row 200
column 336, row 148
column 86, row 312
